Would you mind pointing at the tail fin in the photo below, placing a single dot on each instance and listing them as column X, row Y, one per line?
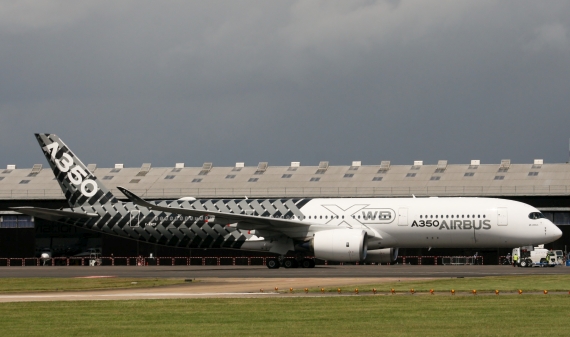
column 79, row 185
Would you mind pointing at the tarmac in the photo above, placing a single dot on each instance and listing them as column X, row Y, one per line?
column 336, row 271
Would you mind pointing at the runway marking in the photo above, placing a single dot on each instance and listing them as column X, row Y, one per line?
column 94, row 276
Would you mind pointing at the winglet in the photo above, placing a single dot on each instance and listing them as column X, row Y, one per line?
column 135, row 198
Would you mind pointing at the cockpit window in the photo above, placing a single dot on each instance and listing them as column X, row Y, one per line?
column 536, row 215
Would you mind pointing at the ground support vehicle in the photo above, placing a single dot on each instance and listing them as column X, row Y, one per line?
column 537, row 256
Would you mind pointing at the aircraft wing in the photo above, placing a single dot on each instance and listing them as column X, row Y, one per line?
column 53, row 214
column 244, row 221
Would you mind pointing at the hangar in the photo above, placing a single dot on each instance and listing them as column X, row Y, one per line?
column 540, row 184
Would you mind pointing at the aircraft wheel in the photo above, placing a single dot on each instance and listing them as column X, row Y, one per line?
column 308, row 263
column 289, row 263
column 272, row 263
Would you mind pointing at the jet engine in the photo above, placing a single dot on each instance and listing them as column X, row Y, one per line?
column 342, row 245
column 385, row 255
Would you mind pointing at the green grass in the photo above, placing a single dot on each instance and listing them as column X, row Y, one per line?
column 513, row 315
column 531, row 283
column 12, row 285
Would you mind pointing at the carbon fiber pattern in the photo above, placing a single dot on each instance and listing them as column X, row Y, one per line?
column 72, row 191
column 139, row 223
column 131, row 221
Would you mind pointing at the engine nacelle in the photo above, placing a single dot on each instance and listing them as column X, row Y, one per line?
column 342, row 245
column 187, row 199
column 386, row 255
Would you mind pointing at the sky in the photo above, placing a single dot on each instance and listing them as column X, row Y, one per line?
column 164, row 82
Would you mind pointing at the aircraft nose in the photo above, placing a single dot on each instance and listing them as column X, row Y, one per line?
column 554, row 233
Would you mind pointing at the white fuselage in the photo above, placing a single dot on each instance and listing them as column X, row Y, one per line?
column 433, row 222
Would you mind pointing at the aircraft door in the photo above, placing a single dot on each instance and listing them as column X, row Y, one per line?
column 402, row 216
column 135, row 217
column 502, row 216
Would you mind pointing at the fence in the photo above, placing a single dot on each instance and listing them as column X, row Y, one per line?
column 136, row 261
column 211, row 261
column 439, row 260
column 289, row 192
column 461, row 260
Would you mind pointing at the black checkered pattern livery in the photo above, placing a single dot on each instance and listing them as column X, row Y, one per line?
column 72, row 191
column 131, row 221
column 140, row 223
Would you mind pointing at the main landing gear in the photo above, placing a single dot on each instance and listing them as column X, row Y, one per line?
column 274, row 263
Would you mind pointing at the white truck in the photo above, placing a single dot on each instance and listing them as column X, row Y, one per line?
column 539, row 256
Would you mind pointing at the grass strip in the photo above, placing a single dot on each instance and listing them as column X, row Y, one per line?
column 311, row 316
column 14, row 285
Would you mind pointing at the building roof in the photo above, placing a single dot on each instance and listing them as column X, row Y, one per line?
column 385, row 180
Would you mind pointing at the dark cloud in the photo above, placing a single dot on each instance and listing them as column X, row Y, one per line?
column 228, row 81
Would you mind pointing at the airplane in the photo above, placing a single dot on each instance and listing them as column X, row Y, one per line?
column 334, row 229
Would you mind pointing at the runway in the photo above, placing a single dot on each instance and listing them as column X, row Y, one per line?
column 368, row 271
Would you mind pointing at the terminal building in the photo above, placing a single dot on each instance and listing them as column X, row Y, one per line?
column 543, row 185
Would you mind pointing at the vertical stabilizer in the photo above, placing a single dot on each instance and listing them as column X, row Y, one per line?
column 79, row 185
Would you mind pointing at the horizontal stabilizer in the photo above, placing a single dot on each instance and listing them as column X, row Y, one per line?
column 53, row 214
